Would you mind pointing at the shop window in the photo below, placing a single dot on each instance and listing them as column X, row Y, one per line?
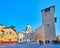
column 9, row 39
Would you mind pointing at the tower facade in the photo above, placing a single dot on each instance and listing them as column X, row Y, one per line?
column 49, row 23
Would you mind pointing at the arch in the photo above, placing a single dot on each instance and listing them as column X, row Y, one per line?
column 40, row 42
column 54, row 41
column 47, row 41
column 58, row 42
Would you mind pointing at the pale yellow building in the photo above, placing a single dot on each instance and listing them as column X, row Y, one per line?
column 20, row 37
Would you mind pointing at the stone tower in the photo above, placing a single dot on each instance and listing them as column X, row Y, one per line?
column 48, row 21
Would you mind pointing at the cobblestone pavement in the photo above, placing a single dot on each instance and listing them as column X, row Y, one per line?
column 29, row 46
column 20, row 45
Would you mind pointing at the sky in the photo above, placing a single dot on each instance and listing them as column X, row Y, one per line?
column 21, row 12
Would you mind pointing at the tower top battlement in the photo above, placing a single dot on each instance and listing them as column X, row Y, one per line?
column 48, row 9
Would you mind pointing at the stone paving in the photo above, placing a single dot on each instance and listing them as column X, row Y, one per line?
column 29, row 46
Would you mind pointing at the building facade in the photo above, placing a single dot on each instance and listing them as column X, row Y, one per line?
column 20, row 37
column 7, row 35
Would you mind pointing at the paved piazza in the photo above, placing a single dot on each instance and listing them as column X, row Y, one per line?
column 29, row 46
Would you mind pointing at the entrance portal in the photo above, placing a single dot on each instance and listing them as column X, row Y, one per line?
column 40, row 42
column 47, row 41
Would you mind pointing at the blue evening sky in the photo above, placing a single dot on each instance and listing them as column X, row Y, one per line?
column 21, row 12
